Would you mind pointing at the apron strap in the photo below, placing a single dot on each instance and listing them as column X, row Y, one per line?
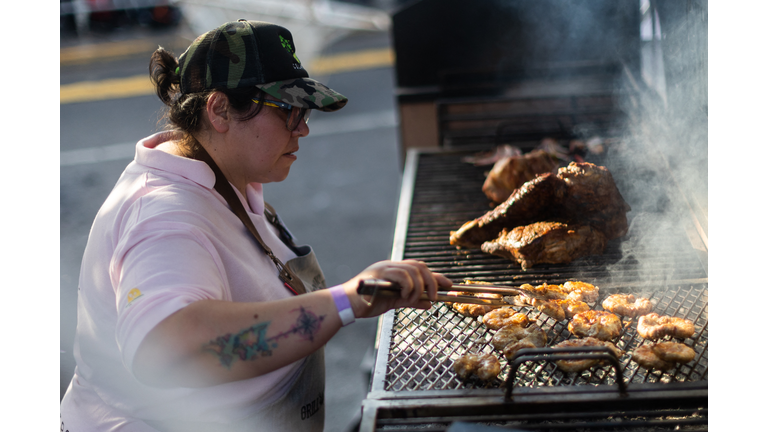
column 223, row 187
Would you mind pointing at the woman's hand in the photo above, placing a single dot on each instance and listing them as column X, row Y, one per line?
column 414, row 279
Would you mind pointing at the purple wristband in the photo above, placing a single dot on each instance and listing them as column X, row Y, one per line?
column 342, row 304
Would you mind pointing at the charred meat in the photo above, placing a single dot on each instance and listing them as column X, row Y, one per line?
column 592, row 197
column 654, row 326
column 627, row 305
column 546, row 242
column 535, row 200
column 581, row 194
column 511, row 172
column 597, row 324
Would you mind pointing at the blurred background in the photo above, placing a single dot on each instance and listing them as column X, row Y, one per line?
column 341, row 195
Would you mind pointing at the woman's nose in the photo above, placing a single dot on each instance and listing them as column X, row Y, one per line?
column 302, row 129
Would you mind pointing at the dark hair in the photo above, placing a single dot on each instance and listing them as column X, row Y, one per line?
column 185, row 111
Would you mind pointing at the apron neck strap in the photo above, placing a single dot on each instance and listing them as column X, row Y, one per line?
column 223, row 187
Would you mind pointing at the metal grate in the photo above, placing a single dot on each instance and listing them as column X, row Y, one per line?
column 424, row 344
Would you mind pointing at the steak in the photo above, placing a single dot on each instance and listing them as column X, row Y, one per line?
column 536, row 199
column 546, row 242
column 511, row 172
column 592, row 197
column 581, row 193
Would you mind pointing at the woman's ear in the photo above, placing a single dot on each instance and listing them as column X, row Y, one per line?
column 218, row 111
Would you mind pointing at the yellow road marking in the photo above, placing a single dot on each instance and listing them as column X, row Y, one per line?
column 348, row 62
column 89, row 53
column 106, row 89
column 140, row 85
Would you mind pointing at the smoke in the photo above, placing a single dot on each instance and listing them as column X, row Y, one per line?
column 661, row 161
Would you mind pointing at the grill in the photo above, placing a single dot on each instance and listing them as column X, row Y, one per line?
column 578, row 86
column 413, row 381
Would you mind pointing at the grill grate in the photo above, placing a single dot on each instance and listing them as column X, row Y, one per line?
column 424, row 344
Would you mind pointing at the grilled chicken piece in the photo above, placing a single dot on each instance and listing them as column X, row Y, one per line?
column 511, row 338
column 627, row 305
column 475, row 310
column 581, row 291
column 645, row 357
column 511, row 172
column 546, row 242
column 534, row 200
column 654, row 326
column 484, row 366
column 597, row 324
column 580, row 365
column 673, row 351
column 504, row 316
column 557, row 301
column 663, row 355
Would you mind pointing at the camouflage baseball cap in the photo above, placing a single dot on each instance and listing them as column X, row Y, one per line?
column 242, row 54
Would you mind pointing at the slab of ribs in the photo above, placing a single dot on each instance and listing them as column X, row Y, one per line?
column 553, row 218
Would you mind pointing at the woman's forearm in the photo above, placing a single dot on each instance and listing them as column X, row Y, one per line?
column 212, row 342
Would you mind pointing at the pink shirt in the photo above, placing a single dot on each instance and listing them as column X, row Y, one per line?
column 162, row 240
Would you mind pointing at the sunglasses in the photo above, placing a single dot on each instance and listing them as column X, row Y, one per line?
column 293, row 114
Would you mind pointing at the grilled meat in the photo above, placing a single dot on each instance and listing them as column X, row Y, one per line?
column 509, row 173
column 627, row 305
column 546, row 242
column 511, row 338
column 504, row 316
column 475, row 310
column 559, row 301
column 534, row 200
column 674, row 351
column 663, row 355
column 580, row 365
column 654, row 326
column 581, row 291
column 597, row 324
column 581, row 193
column 645, row 357
column 484, row 366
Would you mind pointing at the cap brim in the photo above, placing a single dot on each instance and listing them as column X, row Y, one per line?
column 305, row 93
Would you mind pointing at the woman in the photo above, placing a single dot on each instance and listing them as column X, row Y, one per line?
column 188, row 313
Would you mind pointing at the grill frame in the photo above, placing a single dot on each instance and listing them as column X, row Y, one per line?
column 403, row 407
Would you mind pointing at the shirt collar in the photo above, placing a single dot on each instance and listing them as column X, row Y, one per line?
column 195, row 170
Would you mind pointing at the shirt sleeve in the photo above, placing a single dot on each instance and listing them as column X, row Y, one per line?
column 157, row 269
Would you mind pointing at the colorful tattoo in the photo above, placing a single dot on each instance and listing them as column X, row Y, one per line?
column 252, row 342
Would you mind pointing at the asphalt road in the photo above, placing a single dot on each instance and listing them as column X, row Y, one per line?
column 341, row 195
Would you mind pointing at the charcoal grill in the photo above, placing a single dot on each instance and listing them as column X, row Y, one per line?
column 452, row 106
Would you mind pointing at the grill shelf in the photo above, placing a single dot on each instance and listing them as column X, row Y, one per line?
column 413, row 382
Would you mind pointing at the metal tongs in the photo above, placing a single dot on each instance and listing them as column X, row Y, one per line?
column 510, row 295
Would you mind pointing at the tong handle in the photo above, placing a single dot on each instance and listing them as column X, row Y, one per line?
column 392, row 289
column 372, row 286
